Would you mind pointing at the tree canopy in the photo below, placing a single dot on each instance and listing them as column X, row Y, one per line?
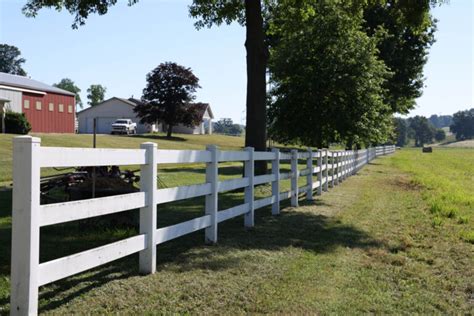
column 167, row 97
column 422, row 129
column 69, row 85
column 96, row 94
column 463, row 124
column 10, row 60
column 327, row 80
column 226, row 126
column 405, row 32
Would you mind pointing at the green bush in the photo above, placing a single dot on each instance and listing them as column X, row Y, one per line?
column 16, row 123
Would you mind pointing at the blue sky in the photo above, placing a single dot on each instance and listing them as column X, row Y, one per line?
column 121, row 47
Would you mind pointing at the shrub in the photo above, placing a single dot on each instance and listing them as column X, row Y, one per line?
column 16, row 123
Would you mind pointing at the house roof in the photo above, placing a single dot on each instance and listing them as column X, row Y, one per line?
column 134, row 102
column 21, row 82
column 202, row 109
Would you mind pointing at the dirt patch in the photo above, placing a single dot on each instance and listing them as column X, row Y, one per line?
column 405, row 183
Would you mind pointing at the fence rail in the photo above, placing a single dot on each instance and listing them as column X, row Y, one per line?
column 27, row 274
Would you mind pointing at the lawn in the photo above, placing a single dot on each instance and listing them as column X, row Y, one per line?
column 370, row 245
column 181, row 141
column 447, row 179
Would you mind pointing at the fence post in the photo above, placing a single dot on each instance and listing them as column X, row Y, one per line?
column 368, row 156
column 355, row 157
column 276, row 183
column 309, row 176
column 344, row 165
column 338, row 160
column 212, row 177
column 148, row 214
column 332, row 170
column 249, row 219
column 325, row 188
column 25, row 226
column 294, row 178
column 319, row 191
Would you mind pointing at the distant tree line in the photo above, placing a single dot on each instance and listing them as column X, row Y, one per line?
column 422, row 130
column 419, row 129
column 463, row 124
column 226, row 126
column 440, row 121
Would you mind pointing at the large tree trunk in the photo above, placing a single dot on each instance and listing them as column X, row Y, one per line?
column 169, row 131
column 257, row 55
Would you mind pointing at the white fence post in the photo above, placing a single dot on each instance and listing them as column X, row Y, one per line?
column 294, row 178
column 212, row 177
column 25, row 226
column 338, row 161
column 249, row 172
column 325, row 188
column 309, row 176
column 344, row 165
column 319, row 191
column 276, row 183
column 148, row 214
column 332, row 169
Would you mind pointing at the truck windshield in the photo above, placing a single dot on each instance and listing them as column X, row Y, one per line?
column 121, row 121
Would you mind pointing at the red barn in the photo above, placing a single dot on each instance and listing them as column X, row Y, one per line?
column 47, row 108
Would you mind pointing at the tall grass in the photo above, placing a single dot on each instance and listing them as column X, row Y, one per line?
column 447, row 179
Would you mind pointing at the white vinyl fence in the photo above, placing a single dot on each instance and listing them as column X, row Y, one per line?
column 27, row 274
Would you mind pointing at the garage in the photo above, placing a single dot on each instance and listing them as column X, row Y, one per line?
column 107, row 113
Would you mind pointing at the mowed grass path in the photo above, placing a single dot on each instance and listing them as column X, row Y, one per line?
column 367, row 246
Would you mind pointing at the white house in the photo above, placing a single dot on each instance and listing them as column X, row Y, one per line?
column 117, row 108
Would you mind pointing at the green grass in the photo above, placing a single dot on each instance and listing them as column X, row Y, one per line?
column 181, row 141
column 368, row 246
column 447, row 179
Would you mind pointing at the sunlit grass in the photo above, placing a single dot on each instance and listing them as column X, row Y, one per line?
column 447, row 179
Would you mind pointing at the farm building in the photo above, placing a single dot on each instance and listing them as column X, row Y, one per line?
column 48, row 109
column 115, row 108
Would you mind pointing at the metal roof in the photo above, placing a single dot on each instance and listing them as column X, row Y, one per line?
column 27, row 83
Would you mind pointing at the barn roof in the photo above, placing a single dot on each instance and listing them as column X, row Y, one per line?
column 21, row 82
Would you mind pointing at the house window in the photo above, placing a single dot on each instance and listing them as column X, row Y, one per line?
column 61, row 107
column 69, row 108
column 38, row 105
column 51, row 107
column 26, row 104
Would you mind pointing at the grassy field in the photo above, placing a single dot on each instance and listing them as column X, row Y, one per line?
column 109, row 141
column 446, row 178
column 374, row 244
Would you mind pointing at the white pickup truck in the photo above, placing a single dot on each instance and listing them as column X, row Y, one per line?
column 124, row 126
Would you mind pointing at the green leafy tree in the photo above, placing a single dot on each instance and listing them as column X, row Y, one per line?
column 440, row 121
column 423, row 130
column 10, row 60
column 96, row 94
column 440, row 135
column 327, row 80
column 401, row 131
column 69, row 85
column 167, row 97
column 227, row 126
column 463, row 124
column 405, row 32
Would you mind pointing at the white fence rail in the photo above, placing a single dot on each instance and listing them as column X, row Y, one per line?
column 27, row 274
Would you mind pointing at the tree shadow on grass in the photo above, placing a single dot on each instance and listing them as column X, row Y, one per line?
column 296, row 228
column 160, row 137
